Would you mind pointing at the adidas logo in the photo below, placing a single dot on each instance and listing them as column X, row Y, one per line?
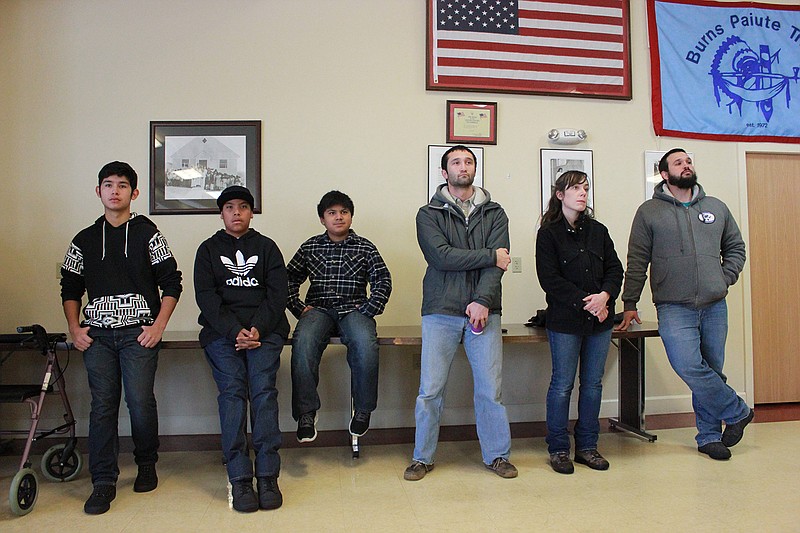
column 240, row 269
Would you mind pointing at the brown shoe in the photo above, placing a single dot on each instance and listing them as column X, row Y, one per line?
column 416, row 471
column 561, row 463
column 592, row 459
column 503, row 468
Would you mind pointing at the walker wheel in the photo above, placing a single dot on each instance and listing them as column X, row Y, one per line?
column 56, row 467
column 24, row 491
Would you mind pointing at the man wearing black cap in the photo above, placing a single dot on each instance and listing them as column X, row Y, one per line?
column 241, row 289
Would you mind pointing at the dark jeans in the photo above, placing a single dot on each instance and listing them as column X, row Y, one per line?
column 311, row 336
column 568, row 353
column 243, row 375
column 116, row 359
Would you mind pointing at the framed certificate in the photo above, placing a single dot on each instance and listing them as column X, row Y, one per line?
column 471, row 122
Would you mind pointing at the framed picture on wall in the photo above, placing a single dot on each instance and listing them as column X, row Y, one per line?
column 471, row 122
column 435, row 178
column 192, row 162
column 556, row 162
column 652, row 176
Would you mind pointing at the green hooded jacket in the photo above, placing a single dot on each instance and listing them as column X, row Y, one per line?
column 460, row 253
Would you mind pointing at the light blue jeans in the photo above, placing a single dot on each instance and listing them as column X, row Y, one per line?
column 567, row 351
column 695, row 342
column 441, row 335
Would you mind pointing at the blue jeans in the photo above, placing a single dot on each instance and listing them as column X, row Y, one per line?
column 695, row 343
column 441, row 335
column 243, row 375
column 311, row 336
column 566, row 350
column 115, row 360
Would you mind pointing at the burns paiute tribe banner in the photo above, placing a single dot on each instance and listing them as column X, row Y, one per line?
column 725, row 70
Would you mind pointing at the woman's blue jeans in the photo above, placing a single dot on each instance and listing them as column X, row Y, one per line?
column 242, row 376
column 567, row 352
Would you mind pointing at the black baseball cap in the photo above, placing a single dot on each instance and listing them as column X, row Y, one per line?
column 235, row 192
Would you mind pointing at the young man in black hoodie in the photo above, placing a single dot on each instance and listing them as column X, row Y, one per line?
column 241, row 289
column 120, row 261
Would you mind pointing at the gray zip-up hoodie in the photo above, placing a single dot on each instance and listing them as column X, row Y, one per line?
column 695, row 253
column 461, row 254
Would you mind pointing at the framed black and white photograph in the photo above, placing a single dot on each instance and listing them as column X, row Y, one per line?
column 192, row 162
column 435, row 178
column 652, row 176
column 556, row 162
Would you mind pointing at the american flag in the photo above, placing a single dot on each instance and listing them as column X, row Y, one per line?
column 570, row 47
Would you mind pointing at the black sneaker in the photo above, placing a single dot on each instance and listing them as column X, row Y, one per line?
column 244, row 498
column 146, row 479
column 269, row 495
column 734, row 432
column 561, row 463
column 592, row 459
column 359, row 424
column 715, row 450
column 100, row 500
column 306, row 427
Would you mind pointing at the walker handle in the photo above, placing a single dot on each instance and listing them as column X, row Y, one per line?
column 39, row 335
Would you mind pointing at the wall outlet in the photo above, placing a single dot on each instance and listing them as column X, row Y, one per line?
column 516, row 265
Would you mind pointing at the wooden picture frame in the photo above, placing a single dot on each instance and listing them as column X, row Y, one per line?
column 471, row 122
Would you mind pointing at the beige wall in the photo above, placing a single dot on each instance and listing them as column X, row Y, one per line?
column 340, row 89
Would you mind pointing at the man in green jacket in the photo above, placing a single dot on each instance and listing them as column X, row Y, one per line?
column 463, row 235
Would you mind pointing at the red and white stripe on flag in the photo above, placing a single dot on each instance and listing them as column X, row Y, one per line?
column 565, row 47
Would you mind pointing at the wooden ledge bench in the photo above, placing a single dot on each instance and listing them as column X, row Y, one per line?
column 630, row 350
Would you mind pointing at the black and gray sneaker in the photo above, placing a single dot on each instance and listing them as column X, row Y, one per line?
column 269, row 495
column 146, row 479
column 100, row 500
column 244, row 498
column 306, row 427
column 359, row 424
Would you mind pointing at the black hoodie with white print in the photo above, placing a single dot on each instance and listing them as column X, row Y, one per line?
column 121, row 269
column 240, row 283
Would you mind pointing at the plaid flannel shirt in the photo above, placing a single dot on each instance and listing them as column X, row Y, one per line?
column 339, row 273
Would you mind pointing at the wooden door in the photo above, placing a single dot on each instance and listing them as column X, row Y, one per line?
column 774, row 257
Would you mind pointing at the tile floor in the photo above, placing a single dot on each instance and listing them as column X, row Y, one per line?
column 661, row 486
